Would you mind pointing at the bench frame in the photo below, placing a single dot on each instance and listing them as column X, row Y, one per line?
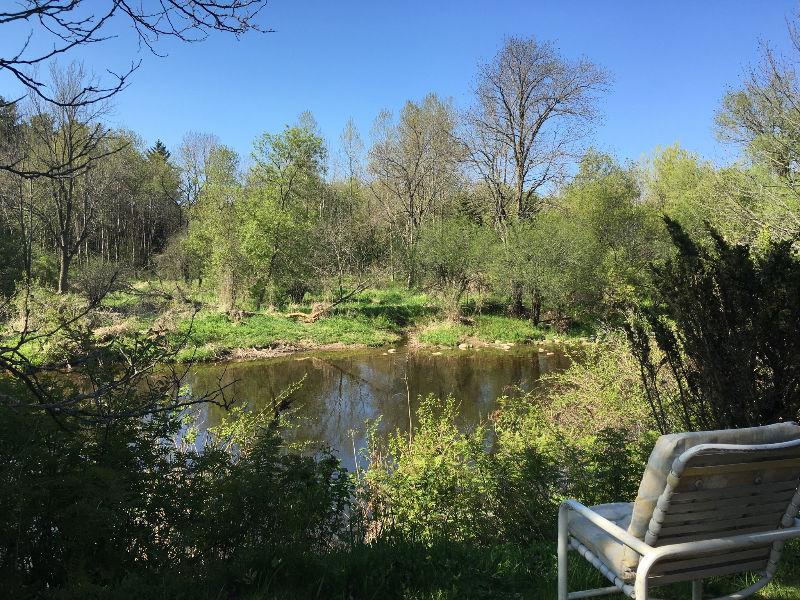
column 651, row 555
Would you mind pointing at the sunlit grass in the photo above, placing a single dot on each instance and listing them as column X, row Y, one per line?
column 484, row 328
column 211, row 335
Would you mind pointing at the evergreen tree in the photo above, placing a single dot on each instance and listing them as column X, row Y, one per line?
column 726, row 323
column 159, row 149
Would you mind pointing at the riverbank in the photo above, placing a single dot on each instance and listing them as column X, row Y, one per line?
column 375, row 317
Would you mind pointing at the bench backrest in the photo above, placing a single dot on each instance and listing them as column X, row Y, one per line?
column 665, row 455
column 717, row 490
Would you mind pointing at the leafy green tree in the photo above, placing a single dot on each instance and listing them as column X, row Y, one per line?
column 213, row 238
column 284, row 201
column 583, row 257
column 680, row 185
column 454, row 254
column 617, row 234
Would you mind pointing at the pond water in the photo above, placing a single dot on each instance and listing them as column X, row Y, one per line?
column 344, row 389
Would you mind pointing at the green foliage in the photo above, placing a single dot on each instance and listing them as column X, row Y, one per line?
column 574, row 436
column 615, row 238
column 213, row 236
column 437, row 483
column 685, row 188
column 454, row 254
column 280, row 211
column 11, row 261
column 583, row 257
column 582, row 434
column 96, row 278
column 114, row 511
column 727, row 321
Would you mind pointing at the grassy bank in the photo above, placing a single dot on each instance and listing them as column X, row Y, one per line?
column 487, row 329
column 215, row 335
column 373, row 317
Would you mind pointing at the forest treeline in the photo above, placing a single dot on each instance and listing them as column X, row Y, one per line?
column 503, row 197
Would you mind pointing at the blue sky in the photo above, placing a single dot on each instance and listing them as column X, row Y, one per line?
column 671, row 62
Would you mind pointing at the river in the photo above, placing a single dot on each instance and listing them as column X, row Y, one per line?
column 344, row 389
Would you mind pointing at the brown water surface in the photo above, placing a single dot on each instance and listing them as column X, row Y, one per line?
column 344, row 389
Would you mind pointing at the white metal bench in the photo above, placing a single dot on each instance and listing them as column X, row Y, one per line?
column 723, row 508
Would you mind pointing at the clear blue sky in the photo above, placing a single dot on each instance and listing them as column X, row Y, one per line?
column 671, row 63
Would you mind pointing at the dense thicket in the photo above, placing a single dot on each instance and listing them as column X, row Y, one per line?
column 726, row 320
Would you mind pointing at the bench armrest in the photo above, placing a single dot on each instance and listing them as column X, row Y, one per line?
column 612, row 529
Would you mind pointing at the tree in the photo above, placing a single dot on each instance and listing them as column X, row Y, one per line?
column 68, row 139
column 414, row 164
column 532, row 109
column 763, row 118
column 215, row 228
column 725, row 325
column 160, row 149
column 284, row 201
column 677, row 183
column 454, row 254
column 194, row 152
column 16, row 216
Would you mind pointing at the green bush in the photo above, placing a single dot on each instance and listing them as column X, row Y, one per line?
column 113, row 511
column 573, row 436
column 437, row 482
column 725, row 321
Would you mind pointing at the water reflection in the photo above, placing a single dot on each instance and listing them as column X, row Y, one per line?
column 344, row 389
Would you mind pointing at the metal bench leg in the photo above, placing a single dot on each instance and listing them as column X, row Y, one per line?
column 697, row 589
column 563, row 549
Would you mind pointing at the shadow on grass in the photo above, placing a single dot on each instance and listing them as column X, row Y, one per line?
column 398, row 315
column 396, row 568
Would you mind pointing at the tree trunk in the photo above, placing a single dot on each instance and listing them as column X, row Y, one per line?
column 536, row 307
column 259, row 299
column 517, row 307
column 63, row 272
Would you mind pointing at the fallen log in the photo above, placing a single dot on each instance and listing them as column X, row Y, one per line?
column 319, row 309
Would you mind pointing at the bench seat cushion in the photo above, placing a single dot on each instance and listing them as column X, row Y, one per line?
column 607, row 549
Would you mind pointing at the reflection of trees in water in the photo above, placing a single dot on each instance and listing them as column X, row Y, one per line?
column 342, row 390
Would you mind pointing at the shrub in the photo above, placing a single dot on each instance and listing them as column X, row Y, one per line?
column 95, row 279
column 580, row 434
column 113, row 511
column 726, row 324
column 437, row 482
